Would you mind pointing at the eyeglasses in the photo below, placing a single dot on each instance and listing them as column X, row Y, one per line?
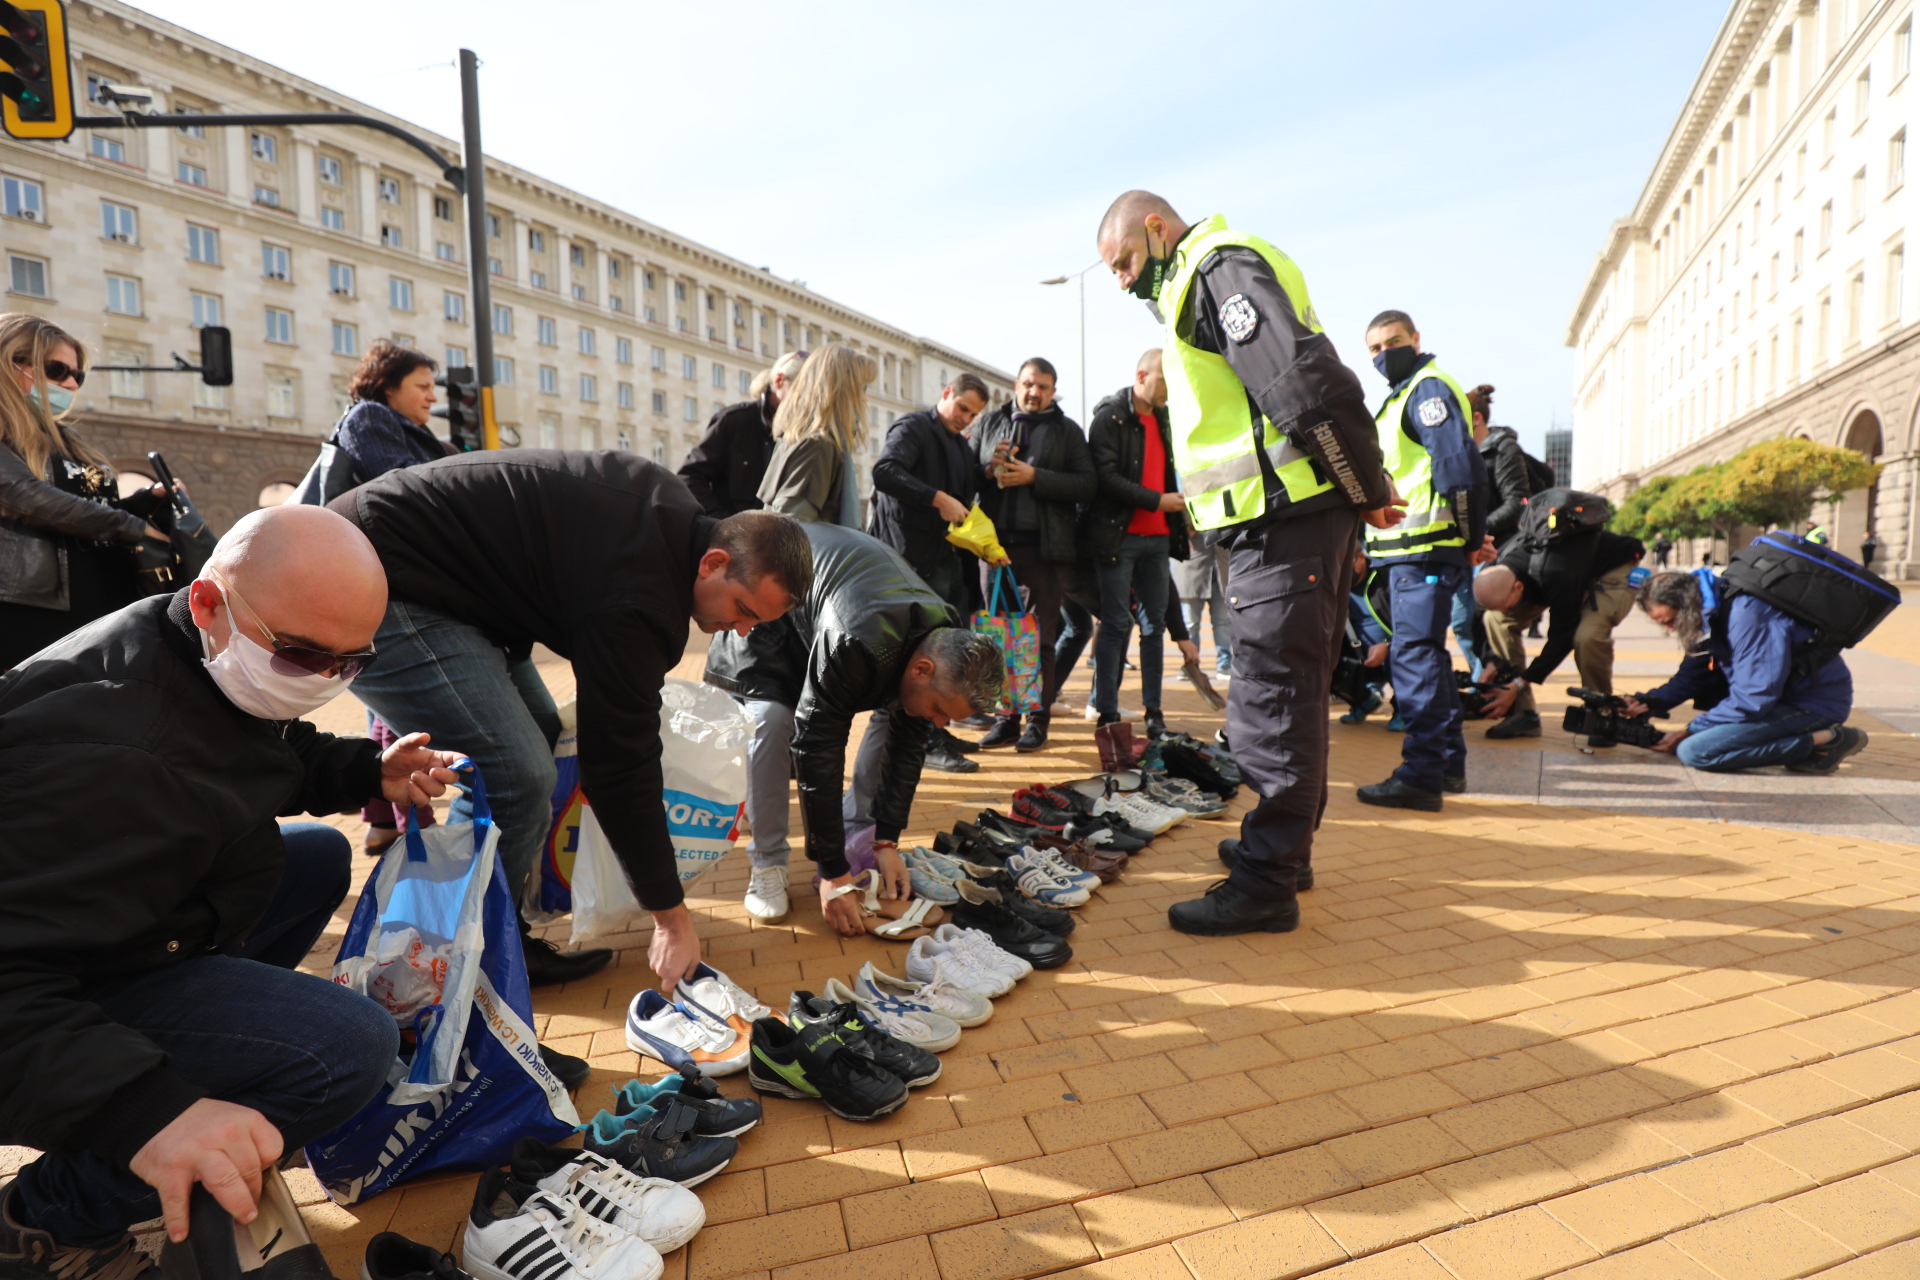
column 57, row 371
column 298, row 659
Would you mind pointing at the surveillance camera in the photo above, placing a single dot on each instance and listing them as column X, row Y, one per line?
column 125, row 95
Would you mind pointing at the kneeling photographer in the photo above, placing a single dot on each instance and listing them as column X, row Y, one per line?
column 1766, row 692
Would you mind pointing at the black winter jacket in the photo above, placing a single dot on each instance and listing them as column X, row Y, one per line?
column 725, row 469
column 840, row 653
column 920, row 457
column 181, row 858
column 591, row 554
column 1118, row 441
column 33, row 517
column 1065, row 480
column 1507, row 485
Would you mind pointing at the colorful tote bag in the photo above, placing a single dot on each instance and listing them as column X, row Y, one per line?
column 1013, row 625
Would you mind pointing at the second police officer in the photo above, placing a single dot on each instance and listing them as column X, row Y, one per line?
column 1427, row 442
column 1274, row 447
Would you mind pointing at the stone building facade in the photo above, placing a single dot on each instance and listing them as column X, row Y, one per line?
column 309, row 242
column 1759, row 287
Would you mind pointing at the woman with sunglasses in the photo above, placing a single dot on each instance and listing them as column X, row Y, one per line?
column 66, row 537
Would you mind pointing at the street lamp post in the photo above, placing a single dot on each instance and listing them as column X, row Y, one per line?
column 1081, row 276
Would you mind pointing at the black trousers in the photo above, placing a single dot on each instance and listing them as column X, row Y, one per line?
column 1287, row 587
column 1044, row 584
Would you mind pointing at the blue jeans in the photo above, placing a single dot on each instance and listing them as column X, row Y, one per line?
column 1462, row 623
column 1421, row 595
column 1784, row 736
column 1140, row 571
column 443, row 677
column 243, row 1027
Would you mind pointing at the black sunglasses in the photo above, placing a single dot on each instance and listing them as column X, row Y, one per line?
column 57, row 371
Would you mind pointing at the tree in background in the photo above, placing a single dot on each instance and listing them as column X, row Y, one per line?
column 1766, row 485
column 1633, row 517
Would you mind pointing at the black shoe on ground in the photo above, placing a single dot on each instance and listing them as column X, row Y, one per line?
column 1012, row 934
column 666, row 1144
column 720, row 1116
column 391, row 1256
column 1454, row 786
column 982, row 721
column 1826, row 758
column 959, row 746
column 570, row 1071
column 913, row 1065
column 549, row 966
column 27, row 1253
column 1230, row 853
column 1518, row 724
column 1005, row 732
column 819, row 1062
column 1183, row 761
column 1228, row 910
column 1156, row 724
column 1036, row 735
column 942, row 756
column 1395, row 794
column 1000, row 887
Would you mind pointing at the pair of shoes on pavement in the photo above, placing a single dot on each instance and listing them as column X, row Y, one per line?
column 1827, row 756
column 948, row 754
column 1006, row 732
column 967, row 960
column 707, row 1026
column 826, row 1051
column 670, row 1136
column 935, row 876
column 1178, row 793
column 895, row 994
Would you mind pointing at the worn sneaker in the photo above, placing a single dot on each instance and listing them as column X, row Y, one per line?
column 658, row 1140
column 719, row 1116
column 963, row 1008
column 27, row 1253
column 1171, row 793
column 930, row 960
column 676, row 1035
column 767, row 894
column 929, row 877
column 664, row 1214
column 1826, row 758
column 1137, row 810
column 1038, row 881
column 391, row 1256
column 982, row 945
column 818, row 1062
column 944, row 754
column 517, row 1232
column 1063, row 871
column 1013, row 935
column 914, row 1066
column 921, row 1028
column 1518, row 724
column 1001, row 887
column 714, row 990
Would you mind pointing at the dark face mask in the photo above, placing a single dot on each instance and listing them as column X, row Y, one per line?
column 1153, row 274
column 1395, row 363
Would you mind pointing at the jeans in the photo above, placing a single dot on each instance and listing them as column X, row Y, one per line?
column 1079, row 604
column 1462, row 623
column 1140, row 569
column 1202, row 580
column 857, row 805
column 769, row 773
column 245, row 1028
column 442, row 676
column 1422, row 597
column 1784, row 736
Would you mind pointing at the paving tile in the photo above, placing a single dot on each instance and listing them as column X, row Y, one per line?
column 1194, row 1148
column 1496, row 1074
column 1603, row 1151
column 916, row 1209
column 1273, row 1246
column 1218, row 1057
column 1501, row 1122
column 759, row 1243
column 1864, row 1213
column 1133, row 1219
column 1761, row 1243
column 1607, row 1096
column 1731, row 1180
column 926, row 1115
column 1315, row 1075
column 902, row 1260
column 833, row 1176
column 1117, row 1079
column 936, row 1155
column 1380, row 1217
column 1901, row 1262
column 775, row 1143
column 1205, row 1099
column 1281, row 1181
column 1392, row 1151
column 1157, row 1263
column 1090, row 1123
column 1873, row 1073
column 1522, row 1245
column 1625, row 1212
column 1056, row 1179
column 1401, row 1098
column 1829, row 1148
column 1656, row 1261
column 1492, row 1184
column 1408, row 1262
column 735, row 1195
column 1017, row 1098
column 1294, row 1124
column 1704, row 1124
column 1032, row 1243
column 1788, row 1097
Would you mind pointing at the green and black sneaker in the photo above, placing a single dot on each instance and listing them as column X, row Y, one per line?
column 891, row 1054
column 819, row 1061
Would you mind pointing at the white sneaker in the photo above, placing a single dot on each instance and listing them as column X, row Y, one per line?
column 664, row 1214
column 965, row 1007
column 547, row 1238
column 917, row 1027
column 672, row 1033
column 930, row 960
column 1062, row 870
column 1093, row 712
column 1141, row 812
column 1037, row 880
column 712, row 989
column 984, row 949
column 767, row 894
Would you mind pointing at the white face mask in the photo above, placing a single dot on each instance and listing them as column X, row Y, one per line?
column 245, row 672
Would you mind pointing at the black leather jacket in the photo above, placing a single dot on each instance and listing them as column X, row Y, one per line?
column 840, row 652
column 33, row 516
column 725, row 469
column 1118, row 440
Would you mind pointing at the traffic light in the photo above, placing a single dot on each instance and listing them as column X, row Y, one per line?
column 216, row 356
column 36, row 86
column 462, row 410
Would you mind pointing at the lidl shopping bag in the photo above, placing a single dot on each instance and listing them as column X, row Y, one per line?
column 1018, row 633
column 549, row 888
column 434, row 939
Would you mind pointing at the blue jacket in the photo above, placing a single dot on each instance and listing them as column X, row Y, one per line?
column 1750, row 645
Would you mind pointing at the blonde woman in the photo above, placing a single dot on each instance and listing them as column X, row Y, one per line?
column 66, row 537
column 818, row 429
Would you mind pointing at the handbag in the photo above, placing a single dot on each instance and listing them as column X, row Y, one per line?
column 331, row 475
column 1017, row 632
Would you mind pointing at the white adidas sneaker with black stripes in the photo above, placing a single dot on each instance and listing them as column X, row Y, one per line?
column 516, row 1232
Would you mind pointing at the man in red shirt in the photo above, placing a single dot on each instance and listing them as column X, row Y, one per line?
column 1130, row 530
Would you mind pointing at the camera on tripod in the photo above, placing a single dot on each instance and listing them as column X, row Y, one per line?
column 1603, row 722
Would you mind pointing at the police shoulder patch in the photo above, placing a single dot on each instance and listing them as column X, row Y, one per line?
column 1433, row 412
column 1239, row 317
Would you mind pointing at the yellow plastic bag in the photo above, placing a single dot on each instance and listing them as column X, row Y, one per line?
column 976, row 534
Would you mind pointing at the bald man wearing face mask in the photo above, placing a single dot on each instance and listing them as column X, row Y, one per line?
column 153, row 1030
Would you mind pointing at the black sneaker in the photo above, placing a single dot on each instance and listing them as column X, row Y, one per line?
column 958, row 745
column 979, row 852
column 666, row 1144
column 1230, row 853
column 27, row 1253
column 1518, row 724
column 912, row 1064
column 1395, row 794
column 1183, row 761
column 1156, row 724
column 1005, row 732
column 1012, row 934
column 1454, row 786
column 819, row 1063
column 391, row 1256
column 549, row 966
column 1826, row 758
column 1228, row 910
column 942, row 756
column 570, row 1071
column 1001, row 887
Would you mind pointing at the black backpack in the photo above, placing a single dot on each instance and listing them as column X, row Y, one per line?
column 1838, row 598
column 1539, row 474
column 1557, row 534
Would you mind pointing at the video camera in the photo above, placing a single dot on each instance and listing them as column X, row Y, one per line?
column 1494, row 676
column 1602, row 722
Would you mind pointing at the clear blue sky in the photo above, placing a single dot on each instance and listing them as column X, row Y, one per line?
column 930, row 164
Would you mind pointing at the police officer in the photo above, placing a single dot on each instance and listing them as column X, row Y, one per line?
column 1426, row 438
column 1276, row 449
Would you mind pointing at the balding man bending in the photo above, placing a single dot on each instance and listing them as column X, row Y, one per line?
column 153, row 1031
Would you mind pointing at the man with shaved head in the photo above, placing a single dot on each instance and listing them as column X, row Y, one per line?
column 153, row 1031
column 1279, row 461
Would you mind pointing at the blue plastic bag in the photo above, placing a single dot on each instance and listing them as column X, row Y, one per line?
column 475, row 1083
